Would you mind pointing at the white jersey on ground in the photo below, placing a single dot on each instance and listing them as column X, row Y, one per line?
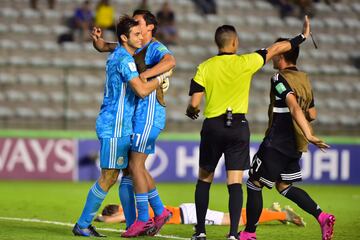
column 189, row 214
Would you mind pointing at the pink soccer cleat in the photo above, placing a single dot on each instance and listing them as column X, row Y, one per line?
column 247, row 236
column 327, row 222
column 139, row 228
column 160, row 221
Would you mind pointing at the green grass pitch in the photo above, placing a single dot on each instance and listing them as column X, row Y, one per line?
column 63, row 202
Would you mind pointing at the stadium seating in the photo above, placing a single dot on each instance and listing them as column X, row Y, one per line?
column 42, row 80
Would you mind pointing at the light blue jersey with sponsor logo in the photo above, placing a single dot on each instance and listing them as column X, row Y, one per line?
column 148, row 110
column 117, row 109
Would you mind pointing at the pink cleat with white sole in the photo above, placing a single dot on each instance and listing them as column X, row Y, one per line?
column 139, row 228
column 160, row 221
column 327, row 222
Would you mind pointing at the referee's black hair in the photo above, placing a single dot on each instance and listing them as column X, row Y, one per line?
column 148, row 17
column 124, row 26
column 292, row 55
column 222, row 35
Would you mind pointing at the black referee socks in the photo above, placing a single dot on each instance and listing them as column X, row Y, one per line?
column 235, row 206
column 201, row 203
column 302, row 199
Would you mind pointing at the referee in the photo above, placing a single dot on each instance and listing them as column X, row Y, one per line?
column 225, row 81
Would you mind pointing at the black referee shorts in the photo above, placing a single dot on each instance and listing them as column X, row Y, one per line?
column 233, row 142
column 269, row 166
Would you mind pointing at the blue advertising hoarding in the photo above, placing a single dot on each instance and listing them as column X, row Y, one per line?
column 177, row 161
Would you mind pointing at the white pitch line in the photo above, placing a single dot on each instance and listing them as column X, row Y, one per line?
column 34, row 220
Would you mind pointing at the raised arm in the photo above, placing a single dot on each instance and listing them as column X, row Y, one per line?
column 284, row 46
column 99, row 43
column 299, row 117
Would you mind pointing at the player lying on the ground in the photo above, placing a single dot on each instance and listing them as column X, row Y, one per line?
column 186, row 214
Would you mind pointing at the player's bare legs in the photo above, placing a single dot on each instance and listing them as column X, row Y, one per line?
column 138, row 171
column 150, row 181
column 108, row 178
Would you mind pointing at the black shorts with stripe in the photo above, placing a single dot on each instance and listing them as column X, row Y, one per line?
column 269, row 166
column 233, row 142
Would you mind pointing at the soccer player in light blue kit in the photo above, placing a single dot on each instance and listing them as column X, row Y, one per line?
column 149, row 121
column 114, row 125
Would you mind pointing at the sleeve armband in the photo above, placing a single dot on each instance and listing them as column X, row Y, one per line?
column 262, row 53
column 296, row 41
column 195, row 87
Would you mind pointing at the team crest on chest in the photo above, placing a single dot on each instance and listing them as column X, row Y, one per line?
column 120, row 161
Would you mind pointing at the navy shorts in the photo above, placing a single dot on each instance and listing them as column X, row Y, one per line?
column 269, row 166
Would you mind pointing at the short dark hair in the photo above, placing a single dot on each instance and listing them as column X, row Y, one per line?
column 148, row 17
column 292, row 55
column 124, row 26
column 222, row 35
column 110, row 210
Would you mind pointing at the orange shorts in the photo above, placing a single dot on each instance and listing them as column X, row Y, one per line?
column 176, row 218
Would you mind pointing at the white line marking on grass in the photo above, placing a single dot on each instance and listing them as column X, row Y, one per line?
column 34, row 220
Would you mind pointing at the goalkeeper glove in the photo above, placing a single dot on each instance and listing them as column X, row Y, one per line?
column 163, row 76
column 165, row 85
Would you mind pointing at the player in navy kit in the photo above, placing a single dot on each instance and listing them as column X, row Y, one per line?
column 276, row 163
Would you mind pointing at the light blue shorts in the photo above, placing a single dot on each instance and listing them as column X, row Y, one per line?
column 114, row 152
column 144, row 137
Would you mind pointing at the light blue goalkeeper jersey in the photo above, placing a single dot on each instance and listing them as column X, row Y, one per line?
column 117, row 109
column 148, row 110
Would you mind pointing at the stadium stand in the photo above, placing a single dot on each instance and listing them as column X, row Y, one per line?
column 47, row 85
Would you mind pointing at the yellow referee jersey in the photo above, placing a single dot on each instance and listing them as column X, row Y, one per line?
column 226, row 79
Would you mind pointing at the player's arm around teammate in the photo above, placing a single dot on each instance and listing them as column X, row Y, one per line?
column 141, row 88
column 149, row 119
column 115, row 127
column 166, row 63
